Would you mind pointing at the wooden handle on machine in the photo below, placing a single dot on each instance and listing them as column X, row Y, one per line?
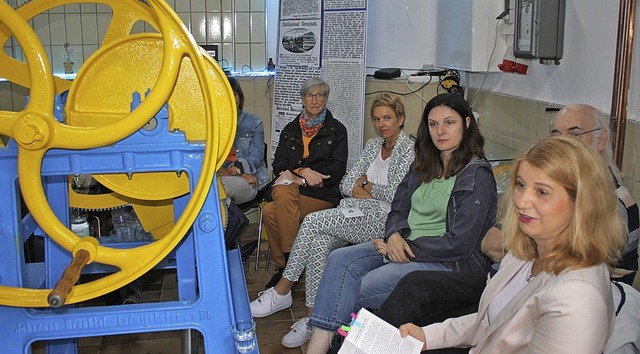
column 58, row 295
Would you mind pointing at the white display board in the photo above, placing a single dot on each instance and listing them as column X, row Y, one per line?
column 328, row 42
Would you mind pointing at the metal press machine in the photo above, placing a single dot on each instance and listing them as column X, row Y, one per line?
column 149, row 115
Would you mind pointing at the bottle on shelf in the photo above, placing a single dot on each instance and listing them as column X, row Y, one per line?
column 270, row 65
column 79, row 222
column 68, row 59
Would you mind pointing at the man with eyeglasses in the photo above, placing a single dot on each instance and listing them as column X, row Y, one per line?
column 592, row 126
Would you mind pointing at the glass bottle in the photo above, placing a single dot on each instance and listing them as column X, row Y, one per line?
column 79, row 222
column 68, row 59
column 121, row 219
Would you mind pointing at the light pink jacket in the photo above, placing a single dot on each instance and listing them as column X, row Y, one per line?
column 569, row 313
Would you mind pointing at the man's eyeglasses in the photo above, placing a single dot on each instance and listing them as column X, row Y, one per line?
column 319, row 96
column 575, row 133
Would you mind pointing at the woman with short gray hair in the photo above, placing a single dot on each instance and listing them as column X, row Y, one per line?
column 309, row 163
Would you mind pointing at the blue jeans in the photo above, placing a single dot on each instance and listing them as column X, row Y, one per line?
column 357, row 276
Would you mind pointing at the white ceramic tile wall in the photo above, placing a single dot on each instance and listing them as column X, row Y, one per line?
column 83, row 25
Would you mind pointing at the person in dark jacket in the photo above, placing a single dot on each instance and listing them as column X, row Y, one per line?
column 310, row 160
column 439, row 214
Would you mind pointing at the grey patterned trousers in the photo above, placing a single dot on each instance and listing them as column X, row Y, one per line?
column 323, row 231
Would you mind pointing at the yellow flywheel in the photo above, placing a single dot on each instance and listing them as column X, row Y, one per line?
column 36, row 130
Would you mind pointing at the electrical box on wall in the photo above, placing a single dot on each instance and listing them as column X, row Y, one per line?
column 466, row 34
column 539, row 31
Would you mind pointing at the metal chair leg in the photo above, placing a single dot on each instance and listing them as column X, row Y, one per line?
column 267, row 259
column 259, row 236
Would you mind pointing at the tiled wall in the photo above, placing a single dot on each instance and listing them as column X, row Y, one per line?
column 515, row 122
column 83, row 26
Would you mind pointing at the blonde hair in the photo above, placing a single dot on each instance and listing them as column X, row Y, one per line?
column 388, row 100
column 595, row 234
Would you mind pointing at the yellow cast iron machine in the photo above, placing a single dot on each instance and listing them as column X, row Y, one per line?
column 158, row 153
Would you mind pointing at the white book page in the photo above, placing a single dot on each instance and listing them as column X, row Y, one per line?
column 370, row 334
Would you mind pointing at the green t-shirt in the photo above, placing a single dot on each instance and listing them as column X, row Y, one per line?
column 428, row 214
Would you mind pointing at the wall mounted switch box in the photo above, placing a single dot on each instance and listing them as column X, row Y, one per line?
column 539, row 32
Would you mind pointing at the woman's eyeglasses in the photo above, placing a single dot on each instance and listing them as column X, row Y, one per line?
column 319, row 96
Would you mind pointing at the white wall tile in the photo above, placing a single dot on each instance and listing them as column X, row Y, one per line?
column 242, row 57
column 87, row 8
column 242, row 27
column 213, row 5
column 17, row 53
column 226, row 6
column 214, row 31
column 227, row 27
column 227, row 54
column 258, row 27
column 57, row 57
column 182, row 6
column 88, row 51
column 57, row 10
column 198, row 6
column 73, row 25
column 199, row 27
column 72, row 8
column 104, row 19
column 257, row 5
column 258, row 57
column 101, row 8
column 242, row 5
column 41, row 26
column 58, row 35
column 89, row 29
column 186, row 19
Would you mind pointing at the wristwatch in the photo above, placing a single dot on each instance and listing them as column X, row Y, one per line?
column 304, row 182
column 364, row 183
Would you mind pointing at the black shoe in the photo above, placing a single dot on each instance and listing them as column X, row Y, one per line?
column 275, row 278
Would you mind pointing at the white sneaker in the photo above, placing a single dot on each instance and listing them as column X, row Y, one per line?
column 299, row 334
column 270, row 302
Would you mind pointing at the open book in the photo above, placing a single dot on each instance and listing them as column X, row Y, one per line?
column 369, row 334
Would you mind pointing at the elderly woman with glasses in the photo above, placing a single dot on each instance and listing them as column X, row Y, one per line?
column 309, row 162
